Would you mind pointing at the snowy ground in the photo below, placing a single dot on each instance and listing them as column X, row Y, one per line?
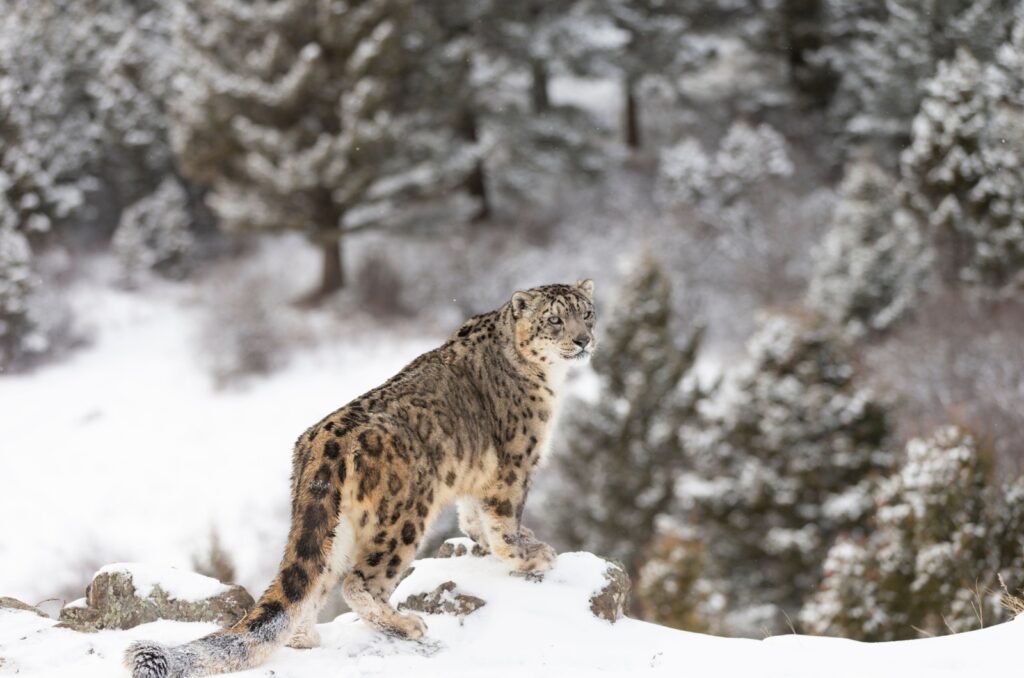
column 126, row 451
column 526, row 628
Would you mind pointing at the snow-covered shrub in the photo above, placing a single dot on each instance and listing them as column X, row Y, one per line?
column 154, row 235
column 943, row 533
column 963, row 171
column 248, row 328
column 19, row 335
column 723, row 187
column 872, row 263
column 215, row 562
column 379, row 285
column 784, row 461
column 35, row 320
column 622, row 453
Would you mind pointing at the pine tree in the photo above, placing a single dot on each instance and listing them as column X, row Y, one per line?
column 50, row 140
column 634, row 39
column 884, row 52
column 785, row 460
column 329, row 119
column 962, row 170
column 873, row 261
column 724, row 187
column 623, row 455
column 129, row 91
column 529, row 145
column 942, row 533
column 81, row 110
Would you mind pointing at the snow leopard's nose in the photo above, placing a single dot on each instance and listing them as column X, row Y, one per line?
column 581, row 340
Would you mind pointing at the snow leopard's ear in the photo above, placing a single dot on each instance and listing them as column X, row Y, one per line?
column 587, row 287
column 522, row 303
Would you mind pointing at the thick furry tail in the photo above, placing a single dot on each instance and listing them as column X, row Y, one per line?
column 240, row 647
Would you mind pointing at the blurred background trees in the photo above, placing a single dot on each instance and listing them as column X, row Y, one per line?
column 805, row 218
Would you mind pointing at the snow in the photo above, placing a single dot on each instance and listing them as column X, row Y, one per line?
column 527, row 627
column 179, row 584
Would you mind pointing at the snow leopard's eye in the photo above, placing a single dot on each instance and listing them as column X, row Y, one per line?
column 588, row 315
column 555, row 320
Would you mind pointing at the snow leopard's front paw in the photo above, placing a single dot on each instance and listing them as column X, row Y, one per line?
column 408, row 625
column 536, row 557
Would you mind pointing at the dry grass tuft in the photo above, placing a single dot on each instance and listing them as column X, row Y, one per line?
column 1011, row 601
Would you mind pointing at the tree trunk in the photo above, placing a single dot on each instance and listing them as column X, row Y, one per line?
column 332, row 276
column 631, row 114
column 476, row 182
column 539, row 87
column 329, row 239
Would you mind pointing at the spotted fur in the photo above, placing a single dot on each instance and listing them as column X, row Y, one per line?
column 467, row 422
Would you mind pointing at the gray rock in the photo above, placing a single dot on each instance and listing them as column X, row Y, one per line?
column 443, row 600
column 610, row 602
column 112, row 603
column 15, row 604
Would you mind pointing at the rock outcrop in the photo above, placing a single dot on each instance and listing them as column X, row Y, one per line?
column 123, row 596
column 610, row 602
column 443, row 600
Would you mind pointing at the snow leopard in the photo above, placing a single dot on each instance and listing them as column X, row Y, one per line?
column 466, row 423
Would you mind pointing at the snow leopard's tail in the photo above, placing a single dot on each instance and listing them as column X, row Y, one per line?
column 288, row 605
column 240, row 647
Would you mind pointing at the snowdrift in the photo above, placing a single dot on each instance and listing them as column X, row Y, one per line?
column 487, row 622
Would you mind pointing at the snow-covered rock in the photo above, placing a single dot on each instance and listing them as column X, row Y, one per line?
column 128, row 594
column 584, row 580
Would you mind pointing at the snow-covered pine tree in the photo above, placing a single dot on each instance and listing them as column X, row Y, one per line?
column 154, row 235
column 794, row 31
column 942, row 533
column 81, row 112
column 962, row 171
column 784, row 461
column 129, row 92
column 325, row 118
column 886, row 51
column 724, row 187
column 622, row 453
column 873, row 260
column 49, row 140
column 529, row 146
column 633, row 39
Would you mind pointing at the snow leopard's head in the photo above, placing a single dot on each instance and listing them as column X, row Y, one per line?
column 555, row 323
